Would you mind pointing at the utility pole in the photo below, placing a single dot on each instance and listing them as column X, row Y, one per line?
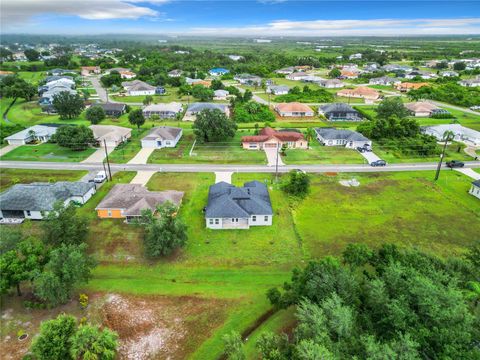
column 108, row 162
column 104, row 170
column 276, row 166
column 437, row 174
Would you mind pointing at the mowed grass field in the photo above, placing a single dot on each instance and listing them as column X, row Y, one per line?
column 46, row 152
column 9, row 177
column 225, row 152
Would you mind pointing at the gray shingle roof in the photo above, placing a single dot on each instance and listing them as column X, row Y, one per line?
column 41, row 196
column 340, row 134
column 197, row 107
column 476, row 183
column 163, row 132
column 337, row 107
column 225, row 200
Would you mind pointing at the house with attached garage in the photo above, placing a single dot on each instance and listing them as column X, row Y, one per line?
column 231, row 207
column 127, row 201
column 162, row 136
column 286, row 71
column 294, row 109
column 88, row 70
column 339, row 112
column 407, row 86
column 425, row 75
column 110, row 135
column 37, row 133
column 270, row 138
column 470, row 82
column 475, row 189
column 35, row 200
column 362, row 92
column 330, row 83
column 164, row 110
column 297, row 76
column 460, row 133
column 195, row 108
column 247, row 79
column 341, row 137
column 220, row 94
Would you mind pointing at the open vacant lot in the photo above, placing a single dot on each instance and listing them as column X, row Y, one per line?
column 11, row 177
column 46, row 152
column 318, row 154
column 227, row 152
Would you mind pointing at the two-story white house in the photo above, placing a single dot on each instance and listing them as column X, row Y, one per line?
column 231, row 207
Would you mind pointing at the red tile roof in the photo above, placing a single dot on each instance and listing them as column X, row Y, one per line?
column 268, row 133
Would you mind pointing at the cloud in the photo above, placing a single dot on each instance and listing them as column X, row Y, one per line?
column 377, row 27
column 21, row 12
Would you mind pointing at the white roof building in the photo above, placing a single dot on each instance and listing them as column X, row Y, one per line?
column 461, row 133
column 40, row 133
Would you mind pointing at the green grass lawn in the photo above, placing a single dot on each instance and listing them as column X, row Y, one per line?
column 453, row 151
column 407, row 209
column 126, row 151
column 170, row 96
column 318, row 154
column 228, row 152
column 9, row 177
column 33, row 77
column 46, row 152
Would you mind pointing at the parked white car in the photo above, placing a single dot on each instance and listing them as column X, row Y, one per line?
column 100, row 177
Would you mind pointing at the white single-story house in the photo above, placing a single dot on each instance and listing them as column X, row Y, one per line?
column 41, row 133
column 461, row 133
column 384, row 80
column 194, row 108
column 341, row 137
column 421, row 108
column 220, row 94
column 35, row 200
column 165, row 110
column 294, row 109
column 137, row 87
column 331, row 83
column 231, row 207
column 278, row 89
column 297, row 76
column 475, row 189
column 162, row 136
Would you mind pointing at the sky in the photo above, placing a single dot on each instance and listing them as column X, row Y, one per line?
column 260, row 18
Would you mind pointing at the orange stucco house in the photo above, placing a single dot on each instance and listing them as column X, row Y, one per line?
column 270, row 138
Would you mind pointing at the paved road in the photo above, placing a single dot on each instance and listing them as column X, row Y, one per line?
column 102, row 94
column 465, row 110
column 219, row 167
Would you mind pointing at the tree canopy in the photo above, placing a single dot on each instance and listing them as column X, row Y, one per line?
column 64, row 226
column 74, row 137
column 95, row 114
column 67, row 105
column 135, row 117
column 212, row 125
column 385, row 303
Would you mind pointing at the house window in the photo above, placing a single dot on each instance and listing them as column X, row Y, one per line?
column 210, row 221
column 265, row 218
column 109, row 213
column 254, row 218
column 217, row 221
column 29, row 213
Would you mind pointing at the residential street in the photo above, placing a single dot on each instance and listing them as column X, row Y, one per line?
column 102, row 94
column 220, row 167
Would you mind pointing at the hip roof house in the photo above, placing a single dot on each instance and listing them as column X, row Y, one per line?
column 162, row 136
column 339, row 112
column 269, row 138
column 168, row 110
column 461, row 133
column 231, row 207
column 41, row 133
column 129, row 200
column 368, row 94
column 111, row 135
column 35, row 200
column 293, row 109
column 341, row 137
column 194, row 108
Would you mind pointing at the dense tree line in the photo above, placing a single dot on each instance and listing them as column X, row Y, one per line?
column 450, row 92
column 385, row 303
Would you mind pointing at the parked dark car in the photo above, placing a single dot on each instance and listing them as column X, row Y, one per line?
column 455, row 164
column 378, row 163
column 361, row 149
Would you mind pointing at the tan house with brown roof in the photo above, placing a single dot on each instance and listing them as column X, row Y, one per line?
column 111, row 135
column 362, row 92
column 87, row 70
column 127, row 201
column 270, row 138
column 294, row 109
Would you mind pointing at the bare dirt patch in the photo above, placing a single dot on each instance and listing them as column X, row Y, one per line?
column 158, row 327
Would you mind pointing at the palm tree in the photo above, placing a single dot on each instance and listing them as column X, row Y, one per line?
column 309, row 135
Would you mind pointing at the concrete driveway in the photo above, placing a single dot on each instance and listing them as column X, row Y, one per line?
column 469, row 172
column 225, row 176
column 7, row 149
column 370, row 156
column 272, row 157
column 98, row 156
column 142, row 156
column 142, row 177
